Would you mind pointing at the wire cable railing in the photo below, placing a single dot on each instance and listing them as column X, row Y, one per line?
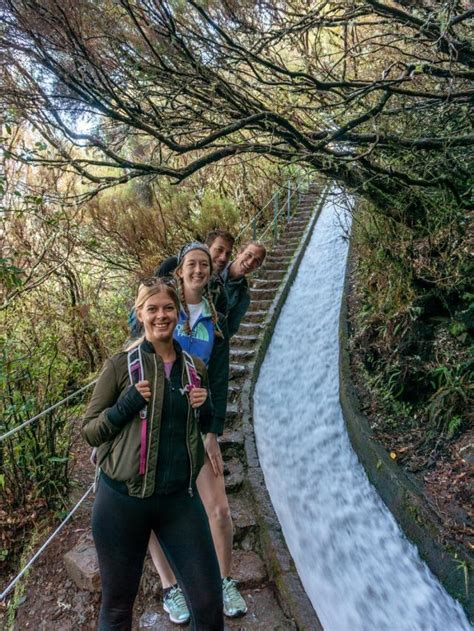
column 40, row 550
column 33, row 419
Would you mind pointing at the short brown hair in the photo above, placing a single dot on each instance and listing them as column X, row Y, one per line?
column 223, row 234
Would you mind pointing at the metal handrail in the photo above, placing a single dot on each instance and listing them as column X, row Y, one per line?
column 276, row 214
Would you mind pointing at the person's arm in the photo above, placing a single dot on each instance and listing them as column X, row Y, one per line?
column 109, row 410
column 238, row 311
column 218, row 371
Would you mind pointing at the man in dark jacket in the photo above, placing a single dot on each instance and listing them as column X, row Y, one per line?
column 250, row 258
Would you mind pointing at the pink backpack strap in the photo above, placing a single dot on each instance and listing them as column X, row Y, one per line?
column 136, row 374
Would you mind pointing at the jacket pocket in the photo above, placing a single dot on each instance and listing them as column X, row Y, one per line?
column 123, row 458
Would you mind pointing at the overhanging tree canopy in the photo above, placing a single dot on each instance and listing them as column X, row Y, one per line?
column 375, row 94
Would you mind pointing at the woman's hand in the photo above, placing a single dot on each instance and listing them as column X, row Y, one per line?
column 214, row 452
column 197, row 396
column 144, row 389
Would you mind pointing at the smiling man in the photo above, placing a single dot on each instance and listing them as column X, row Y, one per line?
column 250, row 257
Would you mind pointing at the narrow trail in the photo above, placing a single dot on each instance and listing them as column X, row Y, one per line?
column 358, row 569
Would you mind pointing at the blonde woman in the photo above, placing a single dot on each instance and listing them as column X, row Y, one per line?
column 143, row 418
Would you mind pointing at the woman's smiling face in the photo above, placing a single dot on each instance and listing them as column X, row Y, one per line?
column 159, row 316
column 195, row 270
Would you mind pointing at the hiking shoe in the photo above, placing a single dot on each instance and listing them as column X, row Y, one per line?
column 175, row 605
column 234, row 604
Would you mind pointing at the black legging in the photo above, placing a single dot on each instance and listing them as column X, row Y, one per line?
column 121, row 526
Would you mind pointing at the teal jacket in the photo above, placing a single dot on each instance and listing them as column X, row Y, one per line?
column 214, row 352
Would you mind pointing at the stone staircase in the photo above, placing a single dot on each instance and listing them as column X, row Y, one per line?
column 261, row 562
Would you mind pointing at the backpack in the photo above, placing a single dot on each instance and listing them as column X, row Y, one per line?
column 136, row 373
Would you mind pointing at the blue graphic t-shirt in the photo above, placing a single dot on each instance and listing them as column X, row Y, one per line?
column 201, row 339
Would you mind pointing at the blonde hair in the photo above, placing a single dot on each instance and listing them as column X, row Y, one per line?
column 147, row 289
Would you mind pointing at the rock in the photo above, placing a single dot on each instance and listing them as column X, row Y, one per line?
column 248, row 569
column 233, row 475
column 82, row 565
column 242, row 517
column 155, row 621
column 232, row 444
column 264, row 613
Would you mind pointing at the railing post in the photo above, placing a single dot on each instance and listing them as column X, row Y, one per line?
column 254, row 229
column 288, row 201
column 276, row 205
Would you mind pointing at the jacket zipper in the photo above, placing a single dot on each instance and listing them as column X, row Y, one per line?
column 151, row 427
column 190, row 486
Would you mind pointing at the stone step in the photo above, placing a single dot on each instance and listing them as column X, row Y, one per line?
column 299, row 221
column 243, row 518
column 255, row 316
column 249, row 570
column 241, row 355
column 264, row 614
column 232, row 443
column 294, row 232
column 233, row 393
column 277, row 264
column 232, row 414
column 237, row 370
column 262, row 294
column 277, row 257
column 285, row 250
column 266, row 283
column 249, row 329
column 275, row 275
column 233, row 474
column 261, row 305
column 243, row 341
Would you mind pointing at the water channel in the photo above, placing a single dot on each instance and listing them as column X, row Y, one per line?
column 357, row 567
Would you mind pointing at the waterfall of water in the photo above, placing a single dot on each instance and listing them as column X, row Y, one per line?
column 357, row 567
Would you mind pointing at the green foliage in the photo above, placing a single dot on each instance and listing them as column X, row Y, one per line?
column 412, row 321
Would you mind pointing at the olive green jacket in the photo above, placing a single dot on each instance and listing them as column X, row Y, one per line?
column 118, row 449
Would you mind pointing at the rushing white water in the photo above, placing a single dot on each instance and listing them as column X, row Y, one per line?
column 358, row 569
